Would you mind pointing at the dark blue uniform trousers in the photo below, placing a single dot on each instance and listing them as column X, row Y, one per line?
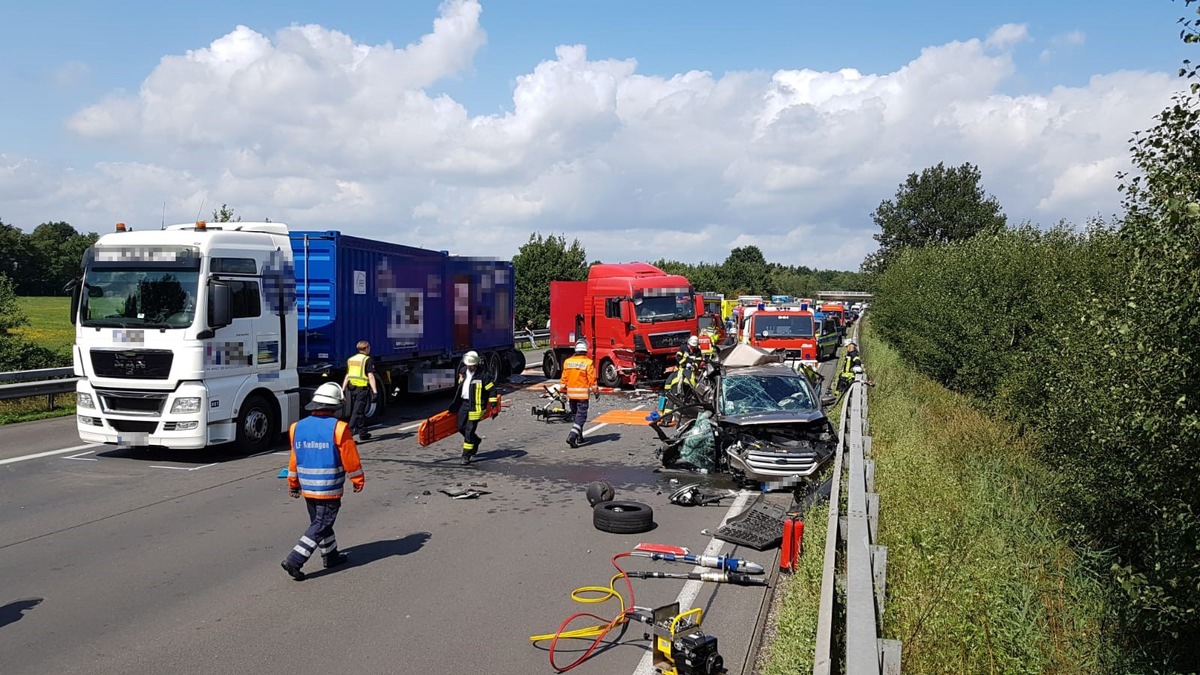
column 322, row 513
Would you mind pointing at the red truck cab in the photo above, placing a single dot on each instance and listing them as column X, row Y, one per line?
column 793, row 330
column 634, row 316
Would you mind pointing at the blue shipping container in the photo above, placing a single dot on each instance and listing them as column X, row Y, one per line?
column 409, row 303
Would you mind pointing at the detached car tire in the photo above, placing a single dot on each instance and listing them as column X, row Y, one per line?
column 623, row 517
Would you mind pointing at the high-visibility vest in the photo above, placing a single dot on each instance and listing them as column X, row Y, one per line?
column 578, row 377
column 355, row 368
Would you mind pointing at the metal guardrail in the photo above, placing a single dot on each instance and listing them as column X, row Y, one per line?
column 48, row 382
column 851, row 539
column 40, row 374
column 522, row 337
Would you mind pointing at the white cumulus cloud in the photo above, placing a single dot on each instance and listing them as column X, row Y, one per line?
column 309, row 126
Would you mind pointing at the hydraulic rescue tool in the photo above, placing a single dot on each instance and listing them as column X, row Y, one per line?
column 733, row 578
column 720, row 562
column 680, row 647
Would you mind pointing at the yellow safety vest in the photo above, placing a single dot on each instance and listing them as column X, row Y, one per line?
column 354, row 370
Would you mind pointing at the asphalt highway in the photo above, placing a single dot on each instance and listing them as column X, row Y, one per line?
column 155, row 561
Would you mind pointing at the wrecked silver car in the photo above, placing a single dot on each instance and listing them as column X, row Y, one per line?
column 771, row 424
column 762, row 422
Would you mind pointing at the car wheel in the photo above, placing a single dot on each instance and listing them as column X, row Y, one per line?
column 257, row 426
column 609, row 377
column 623, row 517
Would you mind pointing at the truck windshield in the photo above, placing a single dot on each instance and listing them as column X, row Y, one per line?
column 665, row 304
column 785, row 326
column 128, row 297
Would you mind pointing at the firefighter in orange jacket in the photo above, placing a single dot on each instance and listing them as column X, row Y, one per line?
column 323, row 457
column 579, row 378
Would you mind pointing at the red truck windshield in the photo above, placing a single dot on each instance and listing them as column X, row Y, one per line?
column 665, row 304
column 768, row 325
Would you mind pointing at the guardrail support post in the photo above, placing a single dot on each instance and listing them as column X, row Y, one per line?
column 869, row 467
column 873, row 515
column 889, row 657
column 879, row 573
column 867, row 446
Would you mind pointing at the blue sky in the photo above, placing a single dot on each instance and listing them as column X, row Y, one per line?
column 54, row 68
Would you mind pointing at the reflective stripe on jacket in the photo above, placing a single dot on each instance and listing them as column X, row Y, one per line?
column 579, row 377
column 356, row 367
column 324, row 455
column 481, row 385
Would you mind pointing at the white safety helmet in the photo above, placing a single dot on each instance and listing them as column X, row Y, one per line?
column 693, row 341
column 328, row 395
column 471, row 358
column 857, row 370
column 581, row 347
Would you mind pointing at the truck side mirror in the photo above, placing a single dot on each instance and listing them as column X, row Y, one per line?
column 627, row 312
column 76, row 288
column 220, row 301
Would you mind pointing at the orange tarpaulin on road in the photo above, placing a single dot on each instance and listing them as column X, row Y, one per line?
column 625, row 417
column 445, row 424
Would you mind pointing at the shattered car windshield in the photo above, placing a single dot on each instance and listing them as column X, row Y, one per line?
column 762, row 393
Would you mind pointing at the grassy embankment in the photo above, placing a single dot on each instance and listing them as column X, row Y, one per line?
column 980, row 576
column 49, row 328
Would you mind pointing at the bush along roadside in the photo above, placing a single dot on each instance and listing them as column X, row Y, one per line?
column 981, row 577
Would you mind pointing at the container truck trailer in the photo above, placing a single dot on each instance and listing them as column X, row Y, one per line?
column 201, row 334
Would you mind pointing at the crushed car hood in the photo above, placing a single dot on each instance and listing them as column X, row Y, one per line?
column 775, row 418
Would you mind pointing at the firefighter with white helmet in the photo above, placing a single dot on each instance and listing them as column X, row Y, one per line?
column 324, row 456
column 474, row 391
column 579, row 378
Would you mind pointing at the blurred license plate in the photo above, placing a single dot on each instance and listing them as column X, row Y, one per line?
column 133, row 440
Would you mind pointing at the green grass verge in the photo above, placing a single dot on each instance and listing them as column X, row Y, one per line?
column 980, row 576
column 49, row 325
column 35, row 408
column 793, row 629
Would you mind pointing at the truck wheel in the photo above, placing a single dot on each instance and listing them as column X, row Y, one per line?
column 492, row 359
column 257, row 426
column 623, row 517
column 375, row 410
column 609, row 377
column 550, row 366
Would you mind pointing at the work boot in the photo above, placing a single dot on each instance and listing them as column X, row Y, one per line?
column 336, row 559
column 466, row 459
column 364, row 436
column 571, row 441
column 292, row 570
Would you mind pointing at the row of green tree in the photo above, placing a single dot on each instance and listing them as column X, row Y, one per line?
column 43, row 261
column 1089, row 340
column 745, row 271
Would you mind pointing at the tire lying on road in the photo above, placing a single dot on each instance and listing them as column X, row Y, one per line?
column 623, row 517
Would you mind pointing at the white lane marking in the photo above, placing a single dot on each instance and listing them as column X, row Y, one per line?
column 691, row 588
column 183, row 468
column 412, row 426
column 48, row 453
column 604, row 424
column 81, row 457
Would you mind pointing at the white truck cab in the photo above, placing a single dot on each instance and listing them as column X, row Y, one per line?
column 185, row 337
